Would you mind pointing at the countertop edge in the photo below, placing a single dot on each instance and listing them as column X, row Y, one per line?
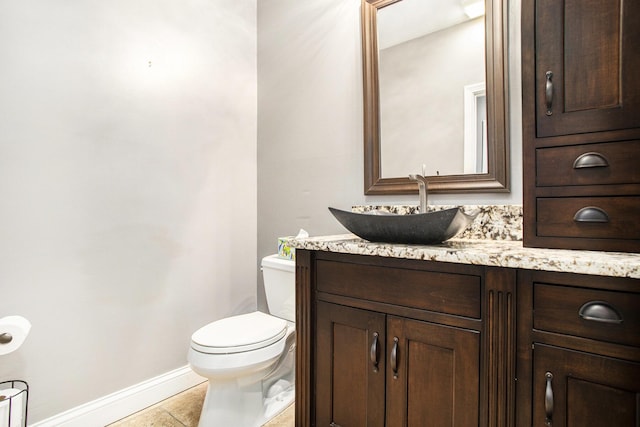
column 492, row 253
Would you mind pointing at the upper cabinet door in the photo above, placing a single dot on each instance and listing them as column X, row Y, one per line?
column 587, row 66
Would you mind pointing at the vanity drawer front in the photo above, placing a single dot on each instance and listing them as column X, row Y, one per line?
column 449, row 293
column 589, row 164
column 590, row 313
column 589, row 217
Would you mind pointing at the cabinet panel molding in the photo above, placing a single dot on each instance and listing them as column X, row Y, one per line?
column 500, row 346
column 304, row 341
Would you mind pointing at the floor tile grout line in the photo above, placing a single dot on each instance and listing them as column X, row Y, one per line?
column 173, row 416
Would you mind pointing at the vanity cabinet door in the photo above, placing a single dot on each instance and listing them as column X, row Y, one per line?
column 432, row 371
column 432, row 375
column 586, row 66
column 350, row 366
column 573, row 388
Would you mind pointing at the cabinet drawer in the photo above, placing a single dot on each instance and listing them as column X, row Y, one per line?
column 450, row 293
column 589, row 164
column 589, row 217
column 602, row 315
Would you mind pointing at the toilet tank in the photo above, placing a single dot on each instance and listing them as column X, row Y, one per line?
column 280, row 286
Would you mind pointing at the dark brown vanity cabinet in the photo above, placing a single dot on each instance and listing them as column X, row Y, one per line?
column 579, row 344
column 581, row 124
column 396, row 342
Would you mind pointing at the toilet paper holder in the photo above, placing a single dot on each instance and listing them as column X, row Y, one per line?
column 13, row 332
column 14, row 400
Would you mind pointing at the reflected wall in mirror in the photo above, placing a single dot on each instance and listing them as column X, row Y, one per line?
column 428, row 104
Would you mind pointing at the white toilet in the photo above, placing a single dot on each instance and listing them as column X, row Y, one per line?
column 249, row 359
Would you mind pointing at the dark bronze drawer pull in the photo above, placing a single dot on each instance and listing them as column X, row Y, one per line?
column 375, row 352
column 394, row 358
column 548, row 400
column 591, row 214
column 600, row 311
column 590, row 160
column 548, row 92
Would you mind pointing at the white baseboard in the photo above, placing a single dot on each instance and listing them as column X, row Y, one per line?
column 120, row 404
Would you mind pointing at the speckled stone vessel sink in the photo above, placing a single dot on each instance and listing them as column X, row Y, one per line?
column 422, row 228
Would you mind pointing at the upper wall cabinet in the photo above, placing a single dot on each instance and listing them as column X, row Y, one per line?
column 587, row 64
column 581, row 124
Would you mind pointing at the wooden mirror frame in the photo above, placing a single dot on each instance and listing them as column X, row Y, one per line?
column 496, row 66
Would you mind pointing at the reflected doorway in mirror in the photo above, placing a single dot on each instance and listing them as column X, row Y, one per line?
column 475, row 128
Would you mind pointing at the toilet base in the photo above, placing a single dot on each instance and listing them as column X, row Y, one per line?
column 229, row 405
column 226, row 405
column 278, row 398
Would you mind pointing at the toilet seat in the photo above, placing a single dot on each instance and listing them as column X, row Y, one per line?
column 237, row 334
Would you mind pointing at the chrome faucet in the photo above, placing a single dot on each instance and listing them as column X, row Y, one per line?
column 423, row 190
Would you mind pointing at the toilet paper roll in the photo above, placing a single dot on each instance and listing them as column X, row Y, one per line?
column 11, row 407
column 13, row 332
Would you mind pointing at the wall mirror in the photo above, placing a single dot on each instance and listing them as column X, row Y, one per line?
column 435, row 95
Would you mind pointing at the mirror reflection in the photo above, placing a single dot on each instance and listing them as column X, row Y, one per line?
column 431, row 81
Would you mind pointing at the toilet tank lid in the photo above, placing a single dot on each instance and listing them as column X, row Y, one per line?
column 274, row 261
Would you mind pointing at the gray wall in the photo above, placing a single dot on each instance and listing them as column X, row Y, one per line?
column 310, row 119
column 309, row 116
column 127, row 186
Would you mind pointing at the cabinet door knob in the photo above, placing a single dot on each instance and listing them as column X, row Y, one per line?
column 394, row 358
column 591, row 214
column 548, row 92
column 375, row 352
column 548, row 400
column 600, row 311
column 590, row 160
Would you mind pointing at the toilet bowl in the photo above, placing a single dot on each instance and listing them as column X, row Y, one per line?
column 249, row 358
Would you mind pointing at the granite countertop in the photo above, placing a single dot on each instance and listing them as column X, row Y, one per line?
column 498, row 253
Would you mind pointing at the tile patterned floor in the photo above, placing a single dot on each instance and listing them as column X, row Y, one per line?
column 183, row 410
